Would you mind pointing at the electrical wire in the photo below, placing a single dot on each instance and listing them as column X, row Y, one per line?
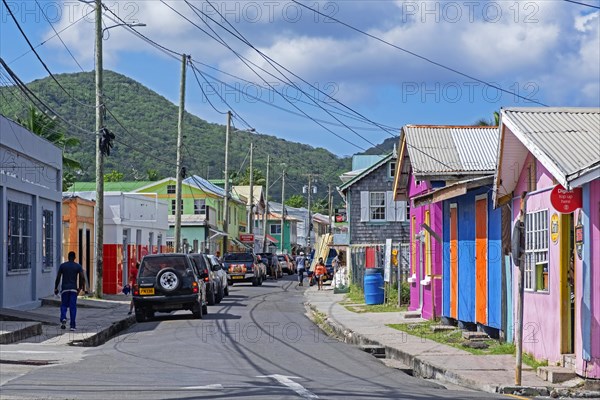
column 58, row 35
column 40, row 58
column 438, row 64
column 583, row 4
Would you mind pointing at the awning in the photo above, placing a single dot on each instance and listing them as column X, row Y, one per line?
column 216, row 233
column 272, row 239
column 240, row 244
column 451, row 191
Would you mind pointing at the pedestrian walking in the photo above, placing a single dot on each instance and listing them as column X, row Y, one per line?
column 301, row 266
column 69, row 275
column 320, row 272
column 132, row 280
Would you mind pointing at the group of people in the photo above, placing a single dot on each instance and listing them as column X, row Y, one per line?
column 302, row 265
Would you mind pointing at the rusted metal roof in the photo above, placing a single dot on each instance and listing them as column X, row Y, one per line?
column 448, row 150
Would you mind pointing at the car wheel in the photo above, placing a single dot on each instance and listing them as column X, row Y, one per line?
column 149, row 315
column 226, row 290
column 140, row 315
column 197, row 310
column 204, row 309
column 255, row 281
column 260, row 281
column 168, row 280
column 210, row 296
column 220, row 295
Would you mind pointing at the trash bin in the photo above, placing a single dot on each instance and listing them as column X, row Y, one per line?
column 373, row 286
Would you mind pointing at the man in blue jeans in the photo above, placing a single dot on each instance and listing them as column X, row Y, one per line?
column 69, row 272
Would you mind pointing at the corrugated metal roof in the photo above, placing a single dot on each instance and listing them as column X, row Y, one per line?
column 452, row 149
column 570, row 137
column 361, row 161
column 127, row 186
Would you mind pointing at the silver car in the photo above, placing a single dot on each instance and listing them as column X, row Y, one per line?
column 219, row 270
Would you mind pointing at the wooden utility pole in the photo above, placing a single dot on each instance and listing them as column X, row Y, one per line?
column 282, row 209
column 226, row 201
column 251, row 197
column 519, row 258
column 266, row 209
column 308, row 238
column 179, row 175
column 99, row 209
column 330, row 209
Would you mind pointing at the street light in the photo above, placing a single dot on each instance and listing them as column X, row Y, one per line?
column 114, row 26
column 100, row 132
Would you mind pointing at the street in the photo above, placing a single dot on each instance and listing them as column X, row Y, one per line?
column 258, row 343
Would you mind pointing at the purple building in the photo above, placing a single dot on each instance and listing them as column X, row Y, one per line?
column 552, row 155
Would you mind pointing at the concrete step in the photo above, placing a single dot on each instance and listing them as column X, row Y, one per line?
column 14, row 331
column 474, row 336
column 568, row 361
column 9, row 314
column 373, row 349
column 412, row 314
column 555, row 374
column 442, row 328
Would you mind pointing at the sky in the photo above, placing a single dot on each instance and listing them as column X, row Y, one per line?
column 342, row 75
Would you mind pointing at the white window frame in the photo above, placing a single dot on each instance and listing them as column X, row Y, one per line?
column 377, row 209
column 391, row 169
column 171, row 189
column 275, row 226
column 537, row 238
column 200, row 206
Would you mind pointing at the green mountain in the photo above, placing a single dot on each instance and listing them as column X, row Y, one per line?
column 149, row 142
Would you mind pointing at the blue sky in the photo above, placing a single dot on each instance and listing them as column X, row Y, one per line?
column 548, row 51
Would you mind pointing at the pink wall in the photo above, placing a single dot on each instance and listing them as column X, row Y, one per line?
column 541, row 310
column 435, row 211
column 589, row 368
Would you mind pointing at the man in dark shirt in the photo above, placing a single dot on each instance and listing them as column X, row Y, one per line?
column 69, row 272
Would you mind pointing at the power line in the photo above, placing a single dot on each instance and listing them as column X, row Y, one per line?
column 40, row 58
column 583, row 4
column 58, row 35
column 420, row 56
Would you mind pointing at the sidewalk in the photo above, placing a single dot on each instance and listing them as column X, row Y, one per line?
column 97, row 321
column 426, row 358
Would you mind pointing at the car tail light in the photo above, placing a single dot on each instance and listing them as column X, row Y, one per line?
column 195, row 287
column 205, row 275
column 136, row 291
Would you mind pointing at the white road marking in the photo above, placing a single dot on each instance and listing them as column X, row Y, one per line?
column 295, row 386
column 215, row 386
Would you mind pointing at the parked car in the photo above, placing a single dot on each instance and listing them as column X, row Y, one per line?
column 287, row 264
column 214, row 291
column 168, row 282
column 219, row 269
column 243, row 267
column 274, row 269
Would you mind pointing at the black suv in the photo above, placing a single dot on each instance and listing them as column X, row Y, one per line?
column 168, row 282
column 214, row 288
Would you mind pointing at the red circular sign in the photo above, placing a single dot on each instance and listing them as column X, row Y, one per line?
column 566, row 201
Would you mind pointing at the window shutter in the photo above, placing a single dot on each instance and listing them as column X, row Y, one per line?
column 364, row 206
column 400, row 211
column 390, row 208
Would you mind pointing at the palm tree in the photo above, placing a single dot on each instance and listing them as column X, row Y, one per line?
column 47, row 127
column 486, row 122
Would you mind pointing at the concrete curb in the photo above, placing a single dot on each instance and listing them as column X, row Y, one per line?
column 424, row 369
column 104, row 335
column 26, row 330
column 81, row 303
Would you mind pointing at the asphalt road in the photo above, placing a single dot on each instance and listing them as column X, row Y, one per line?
column 257, row 344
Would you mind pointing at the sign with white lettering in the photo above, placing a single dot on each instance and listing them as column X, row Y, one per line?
column 566, row 201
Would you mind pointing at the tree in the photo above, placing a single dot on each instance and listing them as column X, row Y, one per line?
column 489, row 122
column 320, row 206
column 152, row 175
column 296, row 201
column 47, row 127
column 114, row 176
column 244, row 179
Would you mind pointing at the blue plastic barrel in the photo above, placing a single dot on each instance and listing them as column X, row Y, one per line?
column 373, row 286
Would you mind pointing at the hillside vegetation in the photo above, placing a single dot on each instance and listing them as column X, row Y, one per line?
column 150, row 144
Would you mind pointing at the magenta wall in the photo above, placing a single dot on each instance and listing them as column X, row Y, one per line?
column 418, row 272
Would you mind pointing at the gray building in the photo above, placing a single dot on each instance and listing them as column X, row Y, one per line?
column 30, row 215
column 373, row 215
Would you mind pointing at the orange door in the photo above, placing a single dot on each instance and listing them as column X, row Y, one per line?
column 453, row 263
column 481, row 261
